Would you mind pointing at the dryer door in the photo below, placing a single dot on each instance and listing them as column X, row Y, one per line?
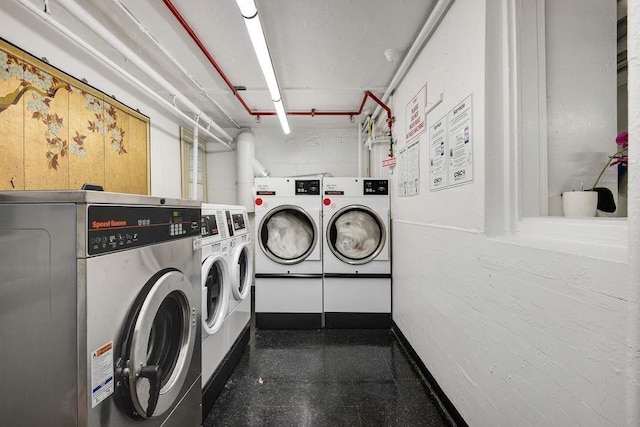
column 215, row 297
column 241, row 271
column 157, row 345
column 288, row 234
column 356, row 234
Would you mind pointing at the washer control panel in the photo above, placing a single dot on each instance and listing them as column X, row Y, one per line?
column 114, row 228
column 307, row 187
column 376, row 187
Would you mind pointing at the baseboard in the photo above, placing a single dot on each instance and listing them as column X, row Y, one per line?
column 219, row 378
column 333, row 320
column 288, row 320
column 444, row 402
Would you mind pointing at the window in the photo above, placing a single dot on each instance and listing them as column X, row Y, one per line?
column 186, row 146
column 572, row 99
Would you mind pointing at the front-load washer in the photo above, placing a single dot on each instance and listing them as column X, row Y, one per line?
column 288, row 289
column 216, row 289
column 99, row 310
column 357, row 256
column 240, row 274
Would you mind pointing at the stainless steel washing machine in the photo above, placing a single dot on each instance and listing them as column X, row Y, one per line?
column 99, row 310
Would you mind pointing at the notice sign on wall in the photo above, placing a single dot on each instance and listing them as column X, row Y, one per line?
column 460, row 143
column 414, row 117
column 409, row 174
column 451, row 148
column 437, row 155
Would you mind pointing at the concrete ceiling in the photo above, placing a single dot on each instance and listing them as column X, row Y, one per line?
column 326, row 53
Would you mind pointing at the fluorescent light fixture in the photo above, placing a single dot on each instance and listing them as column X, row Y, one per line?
column 282, row 115
column 254, row 27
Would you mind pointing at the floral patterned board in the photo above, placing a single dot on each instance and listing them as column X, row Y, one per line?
column 57, row 133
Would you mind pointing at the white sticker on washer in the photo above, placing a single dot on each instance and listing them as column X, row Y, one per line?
column 101, row 374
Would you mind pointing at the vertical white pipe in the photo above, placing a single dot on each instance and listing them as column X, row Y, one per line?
column 633, row 198
column 195, row 162
column 245, row 153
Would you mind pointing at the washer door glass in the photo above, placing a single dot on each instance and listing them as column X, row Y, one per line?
column 157, row 345
column 242, row 272
column 215, row 297
column 356, row 234
column 288, row 234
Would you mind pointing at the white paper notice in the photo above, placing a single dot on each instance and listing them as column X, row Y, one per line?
column 409, row 179
column 437, row 155
column 101, row 374
column 460, row 143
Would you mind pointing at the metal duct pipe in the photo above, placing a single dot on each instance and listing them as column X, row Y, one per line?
column 99, row 29
column 247, row 168
column 80, row 42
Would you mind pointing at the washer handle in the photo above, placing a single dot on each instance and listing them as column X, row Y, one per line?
column 153, row 373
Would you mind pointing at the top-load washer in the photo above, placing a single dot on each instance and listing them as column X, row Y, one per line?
column 99, row 310
column 357, row 256
column 216, row 289
column 288, row 253
column 240, row 274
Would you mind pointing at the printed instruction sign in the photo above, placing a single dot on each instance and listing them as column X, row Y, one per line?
column 414, row 118
column 409, row 165
column 460, row 141
column 437, row 155
column 101, row 374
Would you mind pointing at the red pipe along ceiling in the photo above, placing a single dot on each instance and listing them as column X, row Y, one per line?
column 312, row 113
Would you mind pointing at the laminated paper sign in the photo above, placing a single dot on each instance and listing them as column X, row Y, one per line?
column 460, row 141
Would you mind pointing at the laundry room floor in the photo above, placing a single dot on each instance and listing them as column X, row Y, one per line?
column 325, row 378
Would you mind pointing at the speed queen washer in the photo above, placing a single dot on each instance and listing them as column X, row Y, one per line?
column 216, row 289
column 357, row 258
column 288, row 253
column 99, row 310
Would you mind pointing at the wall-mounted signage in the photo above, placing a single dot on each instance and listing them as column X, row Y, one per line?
column 414, row 118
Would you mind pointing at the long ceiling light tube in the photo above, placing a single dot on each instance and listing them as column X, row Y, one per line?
column 248, row 7
column 99, row 29
column 105, row 60
column 176, row 63
column 256, row 34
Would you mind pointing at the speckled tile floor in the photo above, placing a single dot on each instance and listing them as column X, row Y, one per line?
column 325, row 378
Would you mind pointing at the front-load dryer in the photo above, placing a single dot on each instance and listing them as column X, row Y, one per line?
column 288, row 289
column 240, row 274
column 357, row 256
column 216, row 289
column 99, row 310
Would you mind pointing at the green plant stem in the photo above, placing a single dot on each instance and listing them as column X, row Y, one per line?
column 605, row 167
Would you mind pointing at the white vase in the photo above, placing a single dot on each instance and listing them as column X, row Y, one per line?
column 576, row 204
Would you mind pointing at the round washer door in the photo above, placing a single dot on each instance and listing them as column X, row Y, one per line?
column 288, row 234
column 241, row 271
column 215, row 293
column 157, row 345
column 356, row 234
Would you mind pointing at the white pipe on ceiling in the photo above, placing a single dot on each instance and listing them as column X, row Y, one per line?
column 80, row 42
column 99, row 29
column 178, row 65
column 430, row 25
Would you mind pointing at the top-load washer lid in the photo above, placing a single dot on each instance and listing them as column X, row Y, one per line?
column 215, row 297
column 288, row 234
column 241, row 271
column 156, row 346
column 356, row 234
